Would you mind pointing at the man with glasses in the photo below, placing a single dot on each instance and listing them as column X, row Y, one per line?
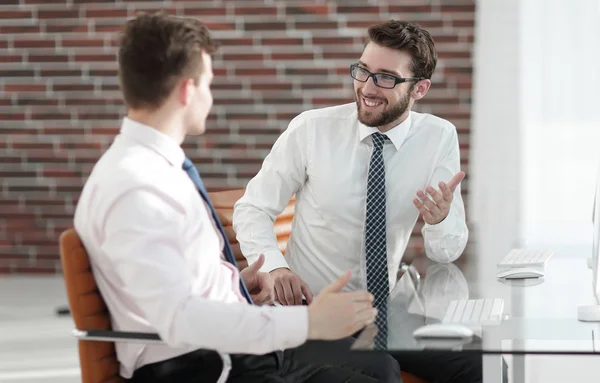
column 362, row 173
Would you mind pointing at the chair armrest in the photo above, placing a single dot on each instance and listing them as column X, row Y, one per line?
column 117, row 336
column 141, row 337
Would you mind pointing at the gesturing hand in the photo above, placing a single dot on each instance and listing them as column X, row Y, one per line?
column 436, row 208
column 260, row 285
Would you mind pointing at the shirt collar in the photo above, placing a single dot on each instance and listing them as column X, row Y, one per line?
column 397, row 134
column 153, row 139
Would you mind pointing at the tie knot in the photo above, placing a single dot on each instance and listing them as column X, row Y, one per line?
column 378, row 140
column 187, row 163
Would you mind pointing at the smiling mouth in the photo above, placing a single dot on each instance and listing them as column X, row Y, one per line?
column 371, row 103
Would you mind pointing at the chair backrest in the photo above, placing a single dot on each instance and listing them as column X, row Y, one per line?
column 224, row 201
column 97, row 359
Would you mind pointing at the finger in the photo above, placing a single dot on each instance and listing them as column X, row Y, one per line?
column 288, row 292
column 429, row 204
column 256, row 265
column 360, row 297
column 338, row 284
column 427, row 216
column 435, row 195
column 297, row 291
column 261, row 297
column 279, row 293
column 446, row 192
column 364, row 318
column 456, row 180
column 307, row 293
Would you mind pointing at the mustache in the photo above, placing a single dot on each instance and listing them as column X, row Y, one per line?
column 360, row 94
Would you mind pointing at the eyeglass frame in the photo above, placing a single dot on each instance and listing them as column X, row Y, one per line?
column 397, row 80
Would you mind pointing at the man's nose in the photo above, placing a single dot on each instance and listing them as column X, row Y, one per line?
column 370, row 88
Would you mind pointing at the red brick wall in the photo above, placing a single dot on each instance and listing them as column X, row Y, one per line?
column 60, row 105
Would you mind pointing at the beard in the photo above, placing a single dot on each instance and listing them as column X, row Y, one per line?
column 390, row 114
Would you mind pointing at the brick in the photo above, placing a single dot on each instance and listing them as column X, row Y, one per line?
column 23, row 100
column 94, row 1
column 359, row 9
column 12, row 116
column 108, row 13
column 282, row 41
column 307, row 71
column 24, row 87
column 220, row 26
column 292, row 56
column 451, row 8
column 262, row 11
column 113, row 73
column 61, row 73
column 256, row 71
column 34, row 43
column 235, row 41
column 402, row 9
column 58, row 14
column 108, row 28
column 16, row 73
column 51, row 116
column 189, row 10
column 271, row 86
column 242, row 57
column 48, row 58
column 45, row 2
column 84, row 43
column 11, row 58
column 311, row 25
column 322, row 85
column 72, row 87
column 15, row 14
column 332, row 40
column 96, row 57
column 9, row 29
column 264, row 26
column 307, row 10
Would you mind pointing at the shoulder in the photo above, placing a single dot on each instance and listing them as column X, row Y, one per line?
column 327, row 118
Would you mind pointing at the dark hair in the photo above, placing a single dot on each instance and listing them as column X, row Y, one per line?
column 156, row 51
column 409, row 37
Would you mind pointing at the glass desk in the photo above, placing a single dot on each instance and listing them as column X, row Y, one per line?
column 540, row 315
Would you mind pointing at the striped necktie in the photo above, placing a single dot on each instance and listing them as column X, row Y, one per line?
column 192, row 172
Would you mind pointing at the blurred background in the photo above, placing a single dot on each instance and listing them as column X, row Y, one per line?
column 518, row 79
column 61, row 104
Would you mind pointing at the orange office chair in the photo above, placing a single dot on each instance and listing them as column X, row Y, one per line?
column 97, row 355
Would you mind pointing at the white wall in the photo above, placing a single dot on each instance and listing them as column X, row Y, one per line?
column 536, row 122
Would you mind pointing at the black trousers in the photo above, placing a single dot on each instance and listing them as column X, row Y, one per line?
column 445, row 366
column 313, row 362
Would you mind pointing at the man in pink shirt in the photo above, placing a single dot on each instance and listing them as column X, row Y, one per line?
column 158, row 251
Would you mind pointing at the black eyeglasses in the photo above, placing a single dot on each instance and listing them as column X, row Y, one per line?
column 382, row 80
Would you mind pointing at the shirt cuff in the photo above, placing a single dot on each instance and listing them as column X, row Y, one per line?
column 273, row 260
column 291, row 325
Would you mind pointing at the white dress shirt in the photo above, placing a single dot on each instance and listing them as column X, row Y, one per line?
column 323, row 157
column 157, row 258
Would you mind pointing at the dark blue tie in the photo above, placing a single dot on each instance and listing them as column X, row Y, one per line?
column 192, row 172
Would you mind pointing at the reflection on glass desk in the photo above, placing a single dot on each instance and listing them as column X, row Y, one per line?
column 539, row 316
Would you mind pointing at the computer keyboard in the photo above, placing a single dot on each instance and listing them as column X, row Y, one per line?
column 526, row 258
column 478, row 312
